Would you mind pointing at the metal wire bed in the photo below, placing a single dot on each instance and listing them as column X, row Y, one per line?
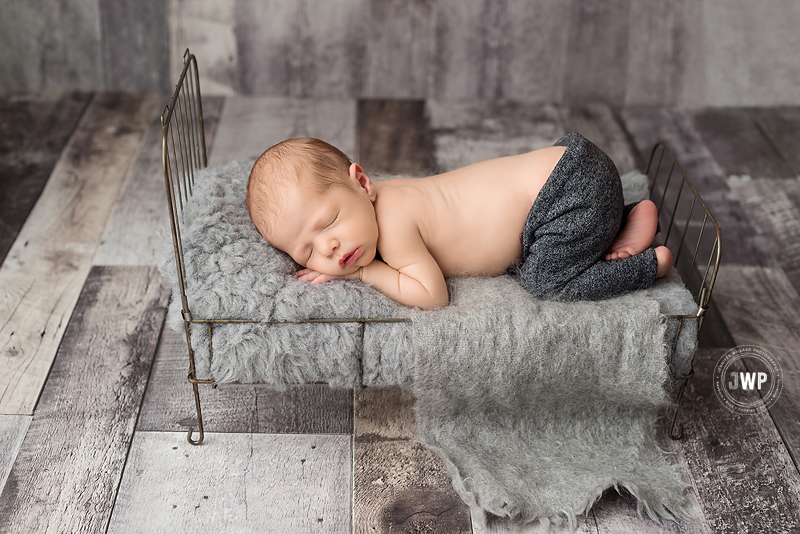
column 681, row 210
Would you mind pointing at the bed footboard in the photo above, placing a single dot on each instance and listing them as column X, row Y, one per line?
column 691, row 233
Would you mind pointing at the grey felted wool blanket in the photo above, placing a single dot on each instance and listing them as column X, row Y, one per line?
column 537, row 408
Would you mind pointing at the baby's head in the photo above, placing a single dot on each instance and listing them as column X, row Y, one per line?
column 309, row 200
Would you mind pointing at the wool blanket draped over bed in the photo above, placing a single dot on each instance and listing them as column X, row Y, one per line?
column 537, row 407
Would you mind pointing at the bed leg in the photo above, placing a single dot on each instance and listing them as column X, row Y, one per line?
column 199, row 417
column 672, row 434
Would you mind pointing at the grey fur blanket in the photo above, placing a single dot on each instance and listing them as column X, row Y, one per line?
column 537, row 409
column 232, row 273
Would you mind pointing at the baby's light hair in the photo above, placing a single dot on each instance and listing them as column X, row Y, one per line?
column 301, row 161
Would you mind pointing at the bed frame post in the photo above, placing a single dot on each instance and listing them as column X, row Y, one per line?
column 201, row 437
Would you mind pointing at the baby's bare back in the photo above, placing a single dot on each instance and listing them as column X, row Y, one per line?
column 470, row 219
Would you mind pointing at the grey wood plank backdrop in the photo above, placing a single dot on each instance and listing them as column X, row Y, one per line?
column 669, row 52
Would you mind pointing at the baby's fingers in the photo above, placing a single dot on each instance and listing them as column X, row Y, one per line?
column 315, row 277
column 308, row 275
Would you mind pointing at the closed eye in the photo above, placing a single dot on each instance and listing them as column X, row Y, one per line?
column 333, row 221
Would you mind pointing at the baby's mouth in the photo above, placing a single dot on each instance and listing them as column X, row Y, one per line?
column 350, row 258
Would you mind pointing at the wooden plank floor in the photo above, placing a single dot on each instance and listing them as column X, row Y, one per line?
column 94, row 401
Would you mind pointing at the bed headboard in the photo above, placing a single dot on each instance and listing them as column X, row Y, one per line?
column 183, row 151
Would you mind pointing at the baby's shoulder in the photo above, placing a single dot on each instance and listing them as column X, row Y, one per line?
column 400, row 204
column 401, row 242
column 401, row 226
column 396, row 217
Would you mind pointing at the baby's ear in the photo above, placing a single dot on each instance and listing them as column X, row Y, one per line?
column 361, row 180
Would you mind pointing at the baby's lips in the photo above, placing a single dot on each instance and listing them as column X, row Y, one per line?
column 350, row 258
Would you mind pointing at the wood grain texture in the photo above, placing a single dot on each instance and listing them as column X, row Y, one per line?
column 500, row 49
column 762, row 308
column 66, row 475
column 747, row 45
column 249, row 125
column 597, row 52
column 208, row 29
column 130, row 237
column 781, row 127
column 398, row 49
column 398, row 486
column 740, row 468
column 734, row 138
column 470, row 131
column 44, row 271
column 773, row 206
column 740, row 242
column 674, row 52
column 461, row 55
column 394, row 137
column 533, row 50
column 33, row 130
column 135, row 45
column 715, row 332
column 50, row 45
column 235, row 483
column 304, row 49
column 665, row 56
column 12, row 432
column 169, row 402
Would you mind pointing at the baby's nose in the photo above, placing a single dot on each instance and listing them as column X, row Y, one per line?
column 334, row 244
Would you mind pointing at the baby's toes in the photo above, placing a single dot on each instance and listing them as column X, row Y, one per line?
column 618, row 255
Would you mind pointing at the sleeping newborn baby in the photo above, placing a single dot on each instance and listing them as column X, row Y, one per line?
column 552, row 215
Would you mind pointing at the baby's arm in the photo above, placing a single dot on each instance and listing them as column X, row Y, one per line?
column 418, row 281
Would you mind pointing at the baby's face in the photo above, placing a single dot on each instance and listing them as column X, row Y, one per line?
column 333, row 233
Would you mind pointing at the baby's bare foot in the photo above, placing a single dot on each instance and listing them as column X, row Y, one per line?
column 637, row 232
column 664, row 257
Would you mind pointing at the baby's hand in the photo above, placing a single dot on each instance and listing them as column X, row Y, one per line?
column 315, row 277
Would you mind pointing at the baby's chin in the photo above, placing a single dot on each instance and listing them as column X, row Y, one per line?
column 367, row 258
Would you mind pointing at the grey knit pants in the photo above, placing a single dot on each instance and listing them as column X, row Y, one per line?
column 570, row 226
